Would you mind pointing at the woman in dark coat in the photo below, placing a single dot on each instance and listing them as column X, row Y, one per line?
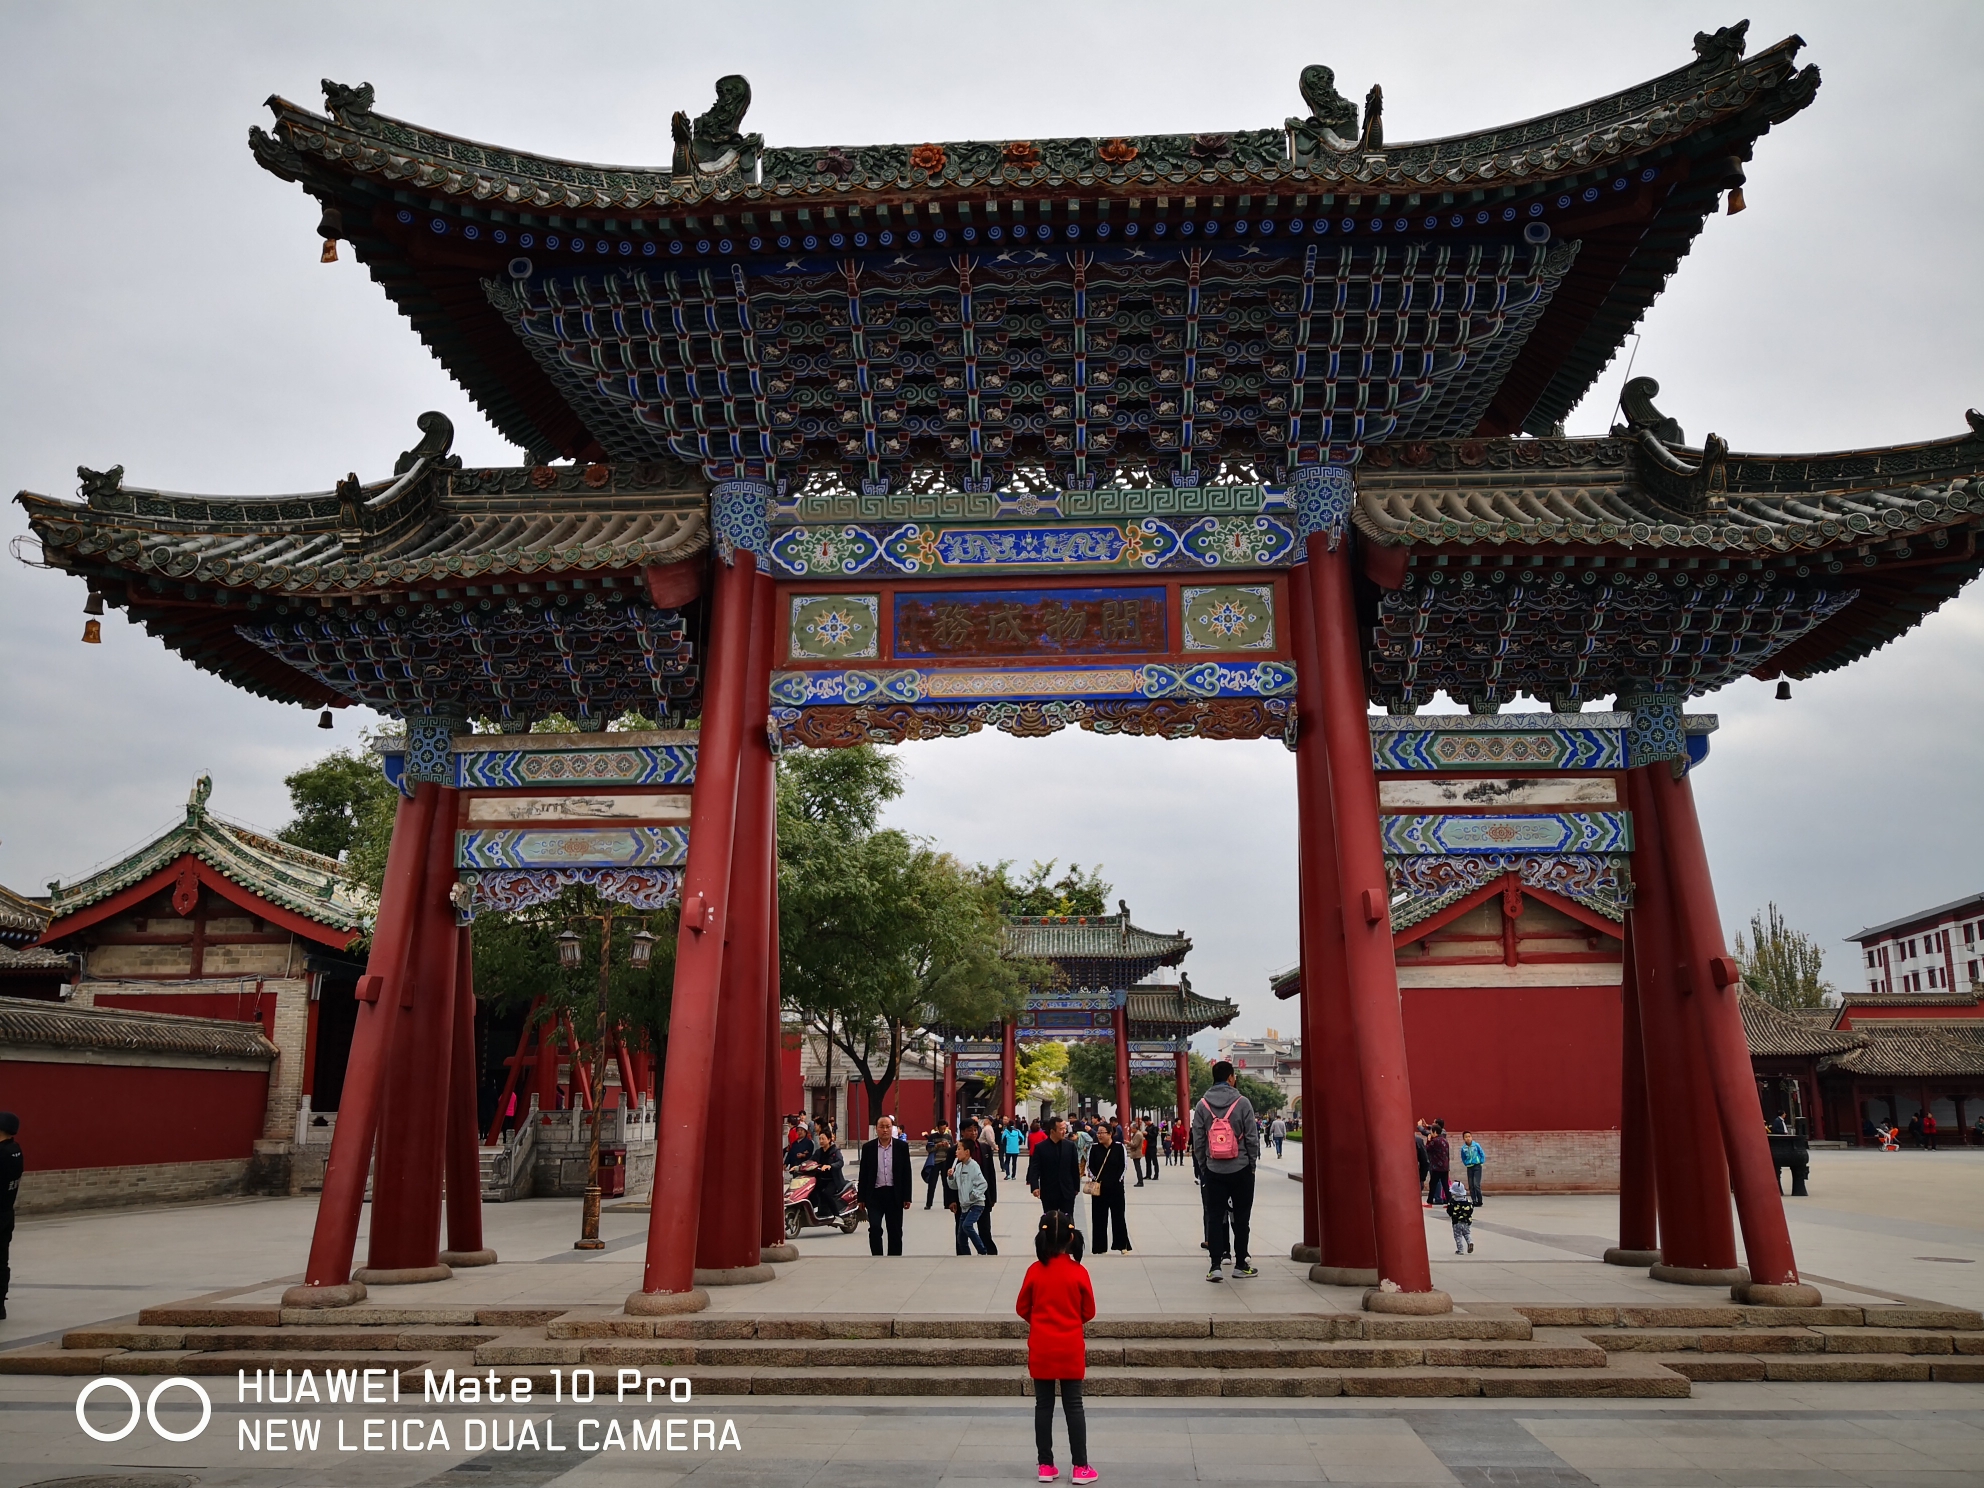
column 1106, row 1166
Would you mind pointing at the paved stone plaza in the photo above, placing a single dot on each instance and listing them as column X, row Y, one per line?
column 94, row 1268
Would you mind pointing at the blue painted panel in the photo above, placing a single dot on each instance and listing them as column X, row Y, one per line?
column 1555, row 832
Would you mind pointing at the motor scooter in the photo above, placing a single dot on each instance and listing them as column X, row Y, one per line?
column 800, row 1213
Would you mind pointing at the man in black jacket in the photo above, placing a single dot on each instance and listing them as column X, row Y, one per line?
column 885, row 1185
column 12, row 1165
column 1054, row 1171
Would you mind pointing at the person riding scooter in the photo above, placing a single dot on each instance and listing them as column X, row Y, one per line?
column 827, row 1168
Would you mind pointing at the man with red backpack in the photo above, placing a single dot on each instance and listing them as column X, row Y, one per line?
column 1226, row 1143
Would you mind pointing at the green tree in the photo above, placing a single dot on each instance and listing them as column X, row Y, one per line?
column 1092, row 1068
column 1042, row 1069
column 1074, row 893
column 339, row 802
column 882, row 936
column 516, row 962
column 1782, row 965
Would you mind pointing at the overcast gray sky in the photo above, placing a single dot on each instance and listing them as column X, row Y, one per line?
column 165, row 310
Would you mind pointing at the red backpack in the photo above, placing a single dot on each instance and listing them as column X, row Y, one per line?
column 1221, row 1143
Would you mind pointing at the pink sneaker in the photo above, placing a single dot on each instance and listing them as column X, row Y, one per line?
column 1084, row 1475
column 1049, row 1472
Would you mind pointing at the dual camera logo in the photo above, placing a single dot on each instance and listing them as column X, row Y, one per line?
column 149, row 1411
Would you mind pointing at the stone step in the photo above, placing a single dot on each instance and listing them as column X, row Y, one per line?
column 304, row 1340
column 1557, row 1350
column 1643, row 1380
column 1809, row 1368
column 1321, row 1327
column 1734, row 1315
column 364, row 1315
column 1910, row 1341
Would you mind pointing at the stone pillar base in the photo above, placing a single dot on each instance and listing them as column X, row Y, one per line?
column 468, row 1257
column 781, row 1253
column 347, row 1294
column 1715, row 1276
column 1362, row 1276
column 1767, row 1294
column 666, row 1304
column 1305, row 1255
column 734, row 1275
column 1408, row 1304
column 1615, row 1256
column 400, row 1275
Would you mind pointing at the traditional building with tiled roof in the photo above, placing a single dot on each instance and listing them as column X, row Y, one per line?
column 26, row 969
column 1836, row 1079
column 214, row 920
column 1105, row 983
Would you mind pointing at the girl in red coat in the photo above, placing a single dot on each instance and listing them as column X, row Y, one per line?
column 1056, row 1299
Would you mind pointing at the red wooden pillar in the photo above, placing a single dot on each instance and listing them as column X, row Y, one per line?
column 1119, row 1022
column 1691, row 1190
column 327, row 1279
column 733, row 1184
column 772, row 1244
column 668, row 1279
column 948, row 1116
column 1377, row 1024
column 544, row 1074
column 1307, row 1251
column 465, row 1247
column 1009, row 1068
column 1639, row 1229
column 405, row 1243
column 1334, row 1144
column 1712, row 988
column 316, row 985
column 1182, row 1072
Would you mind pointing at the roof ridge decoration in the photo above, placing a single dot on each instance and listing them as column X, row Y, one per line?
column 712, row 147
column 713, row 159
column 295, row 878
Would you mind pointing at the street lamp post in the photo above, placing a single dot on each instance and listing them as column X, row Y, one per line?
column 570, row 952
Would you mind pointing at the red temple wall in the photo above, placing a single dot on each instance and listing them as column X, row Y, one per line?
column 912, row 1101
column 791, row 1085
column 114, row 1116
column 233, row 1007
column 1515, row 1058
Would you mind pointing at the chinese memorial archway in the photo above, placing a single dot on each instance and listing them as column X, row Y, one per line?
column 1218, row 435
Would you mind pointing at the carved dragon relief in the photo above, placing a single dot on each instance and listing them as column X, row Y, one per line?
column 712, row 147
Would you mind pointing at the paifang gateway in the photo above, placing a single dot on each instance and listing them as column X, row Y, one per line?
column 1227, row 435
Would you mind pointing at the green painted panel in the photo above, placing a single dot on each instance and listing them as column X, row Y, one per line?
column 1230, row 617
column 834, row 627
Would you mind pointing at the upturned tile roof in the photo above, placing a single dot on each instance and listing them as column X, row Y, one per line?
column 1091, row 937
column 464, row 236
column 21, row 919
column 1637, row 493
column 1774, row 1031
column 28, row 1023
column 308, row 883
column 1907, row 1052
column 1856, row 1000
column 32, row 960
column 1179, row 1007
